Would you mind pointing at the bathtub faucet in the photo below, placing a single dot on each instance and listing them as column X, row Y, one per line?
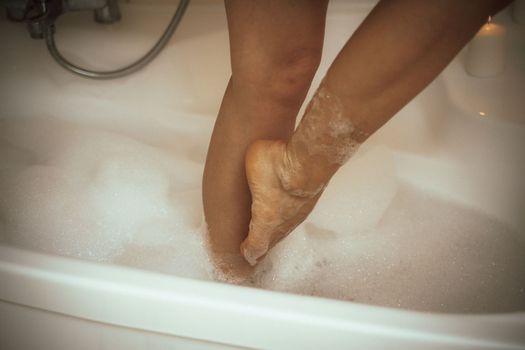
column 40, row 15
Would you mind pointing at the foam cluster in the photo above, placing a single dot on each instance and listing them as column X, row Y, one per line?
column 104, row 195
column 99, row 195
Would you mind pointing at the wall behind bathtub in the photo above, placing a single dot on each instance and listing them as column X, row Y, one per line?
column 189, row 76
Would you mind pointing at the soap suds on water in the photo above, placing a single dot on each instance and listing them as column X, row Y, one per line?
column 106, row 196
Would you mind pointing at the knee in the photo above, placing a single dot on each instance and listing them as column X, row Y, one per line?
column 293, row 75
column 284, row 78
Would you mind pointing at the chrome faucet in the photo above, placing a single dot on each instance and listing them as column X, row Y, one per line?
column 40, row 15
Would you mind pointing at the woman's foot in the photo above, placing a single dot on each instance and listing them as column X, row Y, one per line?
column 278, row 204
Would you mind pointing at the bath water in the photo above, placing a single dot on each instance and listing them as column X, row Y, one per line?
column 110, row 195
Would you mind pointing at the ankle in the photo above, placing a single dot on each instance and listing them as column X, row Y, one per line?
column 299, row 176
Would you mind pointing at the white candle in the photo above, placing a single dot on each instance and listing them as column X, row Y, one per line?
column 486, row 52
column 518, row 11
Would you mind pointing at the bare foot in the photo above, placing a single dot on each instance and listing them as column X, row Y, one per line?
column 276, row 210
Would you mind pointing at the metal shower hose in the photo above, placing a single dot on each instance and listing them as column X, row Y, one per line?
column 133, row 67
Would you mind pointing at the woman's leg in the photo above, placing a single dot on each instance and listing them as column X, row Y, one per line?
column 397, row 51
column 275, row 50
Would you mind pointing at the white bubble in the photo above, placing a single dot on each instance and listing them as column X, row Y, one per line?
column 357, row 196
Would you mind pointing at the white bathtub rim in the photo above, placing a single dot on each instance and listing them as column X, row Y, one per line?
column 215, row 312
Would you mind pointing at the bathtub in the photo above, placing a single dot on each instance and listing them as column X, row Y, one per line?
column 440, row 141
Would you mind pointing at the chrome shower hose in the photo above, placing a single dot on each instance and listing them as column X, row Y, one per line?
column 133, row 67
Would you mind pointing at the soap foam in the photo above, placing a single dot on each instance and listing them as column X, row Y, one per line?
column 358, row 194
column 94, row 194
column 101, row 195
column 325, row 130
column 425, row 253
